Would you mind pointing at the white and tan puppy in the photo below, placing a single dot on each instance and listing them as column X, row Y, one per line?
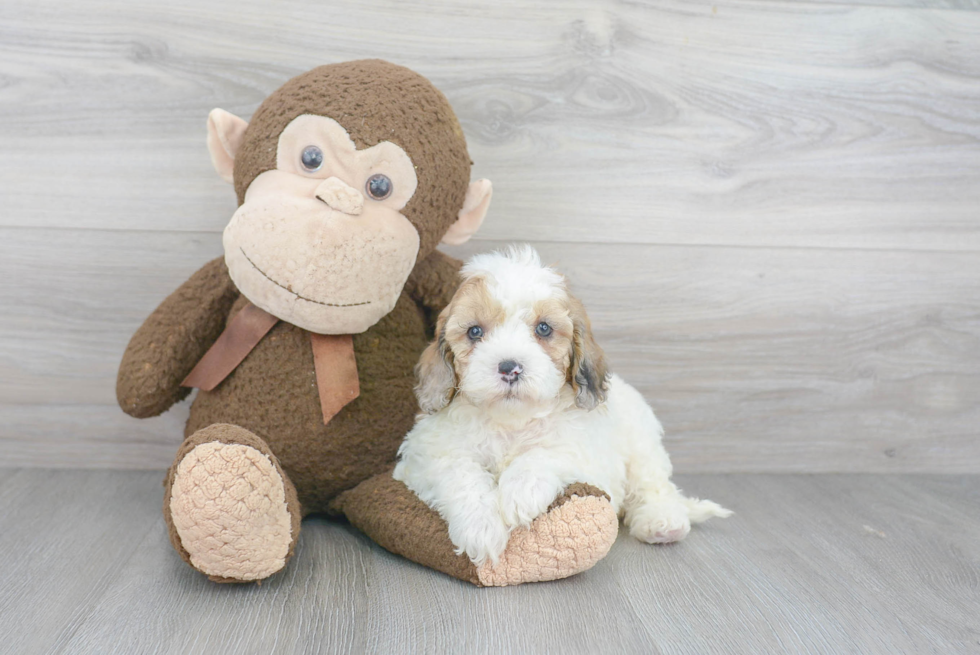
column 517, row 404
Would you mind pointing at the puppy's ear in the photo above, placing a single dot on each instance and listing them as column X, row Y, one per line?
column 436, row 371
column 587, row 369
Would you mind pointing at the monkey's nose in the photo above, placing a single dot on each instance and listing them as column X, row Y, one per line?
column 336, row 194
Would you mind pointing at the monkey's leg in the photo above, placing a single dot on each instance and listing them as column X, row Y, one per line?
column 575, row 533
column 231, row 510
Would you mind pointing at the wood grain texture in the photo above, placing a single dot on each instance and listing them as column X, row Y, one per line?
column 809, row 564
column 755, row 359
column 769, row 207
column 753, row 123
column 953, row 5
column 64, row 537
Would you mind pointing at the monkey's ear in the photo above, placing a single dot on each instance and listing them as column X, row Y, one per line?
column 471, row 216
column 225, row 132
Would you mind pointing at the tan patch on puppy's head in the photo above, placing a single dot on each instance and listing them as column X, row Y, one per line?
column 555, row 312
column 445, row 360
column 472, row 306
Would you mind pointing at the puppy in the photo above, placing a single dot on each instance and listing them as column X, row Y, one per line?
column 517, row 404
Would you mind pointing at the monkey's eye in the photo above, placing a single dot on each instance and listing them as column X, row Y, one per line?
column 378, row 186
column 312, row 158
column 543, row 329
column 474, row 333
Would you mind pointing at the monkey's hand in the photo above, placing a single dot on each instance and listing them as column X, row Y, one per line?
column 172, row 340
column 434, row 281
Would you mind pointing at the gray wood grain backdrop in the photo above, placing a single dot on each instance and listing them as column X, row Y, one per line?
column 772, row 209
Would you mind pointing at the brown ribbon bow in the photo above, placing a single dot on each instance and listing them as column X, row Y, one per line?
column 333, row 359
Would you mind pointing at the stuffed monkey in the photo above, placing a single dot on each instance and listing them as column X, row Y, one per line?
column 302, row 339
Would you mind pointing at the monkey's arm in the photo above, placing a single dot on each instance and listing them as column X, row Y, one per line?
column 172, row 340
column 434, row 281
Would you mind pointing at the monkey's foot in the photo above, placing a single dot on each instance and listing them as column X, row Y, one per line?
column 232, row 509
column 576, row 532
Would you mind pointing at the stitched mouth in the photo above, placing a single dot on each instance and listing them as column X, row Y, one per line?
column 318, row 302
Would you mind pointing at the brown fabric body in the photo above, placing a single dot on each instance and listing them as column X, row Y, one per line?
column 432, row 285
column 273, row 393
column 230, row 434
column 235, row 343
column 333, row 359
column 387, row 511
column 577, row 489
column 172, row 340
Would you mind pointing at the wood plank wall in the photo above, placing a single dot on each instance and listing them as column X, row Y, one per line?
column 771, row 208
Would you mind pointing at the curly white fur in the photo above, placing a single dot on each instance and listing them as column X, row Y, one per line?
column 493, row 454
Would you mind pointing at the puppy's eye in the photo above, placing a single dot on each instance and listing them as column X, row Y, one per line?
column 543, row 329
column 474, row 333
column 378, row 186
column 312, row 158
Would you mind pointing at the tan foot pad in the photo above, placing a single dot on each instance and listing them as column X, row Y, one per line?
column 570, row 538
column 228, row 504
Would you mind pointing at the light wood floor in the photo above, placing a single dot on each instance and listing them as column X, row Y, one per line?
column 809, row 564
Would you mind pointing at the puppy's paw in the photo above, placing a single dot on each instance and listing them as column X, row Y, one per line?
column 662, row 522
column 482, row 537
column 526, row 496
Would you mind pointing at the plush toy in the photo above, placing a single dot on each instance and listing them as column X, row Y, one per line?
column 302, row 339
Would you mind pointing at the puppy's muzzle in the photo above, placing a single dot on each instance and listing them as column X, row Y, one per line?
column 509, row 371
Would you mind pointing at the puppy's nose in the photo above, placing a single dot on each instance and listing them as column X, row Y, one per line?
column 510, row 370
